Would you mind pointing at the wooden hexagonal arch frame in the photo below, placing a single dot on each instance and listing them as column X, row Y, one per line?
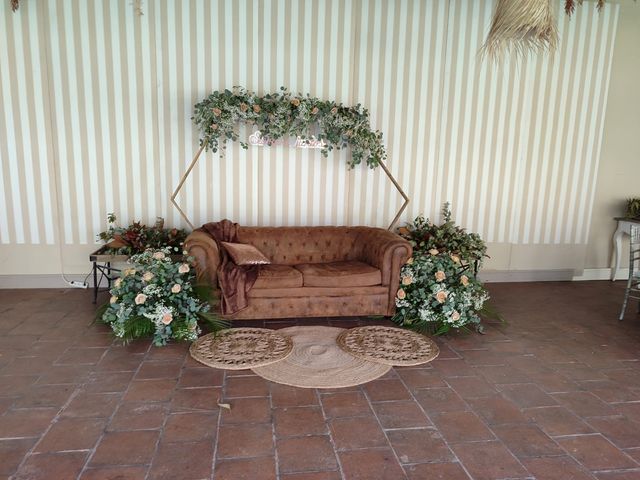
column 193, row 163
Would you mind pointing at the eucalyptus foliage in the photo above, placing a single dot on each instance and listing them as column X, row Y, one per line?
column 156, row 296
column 282, row 114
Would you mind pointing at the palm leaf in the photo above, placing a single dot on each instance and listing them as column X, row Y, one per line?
column 214, row 322
column 99, row 313
column 136, row 327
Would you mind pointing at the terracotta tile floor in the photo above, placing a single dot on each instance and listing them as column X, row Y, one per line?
column 552, row 394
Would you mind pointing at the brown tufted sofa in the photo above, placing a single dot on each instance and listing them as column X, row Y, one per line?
column 314, row 271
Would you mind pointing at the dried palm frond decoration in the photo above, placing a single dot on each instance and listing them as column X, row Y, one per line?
column 519, row 27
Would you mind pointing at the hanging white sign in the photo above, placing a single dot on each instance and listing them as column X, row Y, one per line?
column 256, row 139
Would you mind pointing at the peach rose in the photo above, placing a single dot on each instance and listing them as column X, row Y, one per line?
column 117, row 282
column 129, row 271
column 214, row 127
column 434, row 251
column 184, row 268
column 140, row 299
column 334, row 110
column 176, row 288
column 295, row 102
column 455, row 258
column 256, row 108
column 455, row 316
column 314, row 110
column 113, row 299
column 216, row 111
column 167, row 318
column 147, row 276
column 464, row 280
column 403, row 231
column 441, row 296
column 440, row 276
column 407, row 281
column 410, row 261
column 401, row 294
column 159, row 255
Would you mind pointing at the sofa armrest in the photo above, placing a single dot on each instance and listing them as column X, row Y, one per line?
column 386, row 251
column 205, row 250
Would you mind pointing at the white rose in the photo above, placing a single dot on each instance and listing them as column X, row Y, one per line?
column 176, row 288
column 113, row 299
column 184, row 268
column 140, row 299
column 158, row 255
column 147, row 276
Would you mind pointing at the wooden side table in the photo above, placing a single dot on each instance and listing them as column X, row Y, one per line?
column 624, row 227
column 102, row 269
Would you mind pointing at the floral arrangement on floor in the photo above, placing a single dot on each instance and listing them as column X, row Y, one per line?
column 282, row 114
column 156, row 295
column 137, row 237
column 438, row 285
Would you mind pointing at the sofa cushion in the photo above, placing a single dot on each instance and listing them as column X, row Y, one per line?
column 278, row 276
column 340, row 274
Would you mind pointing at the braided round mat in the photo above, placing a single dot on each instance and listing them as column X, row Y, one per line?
column 240, row 348
column 388, row 345
column 318, row 362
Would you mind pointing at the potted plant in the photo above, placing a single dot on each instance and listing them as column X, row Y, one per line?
column 633, row 208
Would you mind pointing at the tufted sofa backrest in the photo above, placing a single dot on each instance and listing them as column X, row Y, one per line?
column 296, row 245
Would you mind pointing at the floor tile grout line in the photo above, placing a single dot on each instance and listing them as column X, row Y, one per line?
column 424, row 412
column 395, row 454
column 55, row 419
column 166, row 416
column 122, row 395
column 216, row 440
column 330, row 434
column 273, row 433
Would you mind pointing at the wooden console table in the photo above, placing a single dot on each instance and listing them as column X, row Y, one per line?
column 624, row 227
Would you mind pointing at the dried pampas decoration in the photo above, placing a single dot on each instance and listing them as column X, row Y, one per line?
column 570, row 6
column 521, row 26
column 15, row 4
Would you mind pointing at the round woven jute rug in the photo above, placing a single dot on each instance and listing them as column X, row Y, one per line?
column 240, row 348
column 318, row 362
column 388, row 345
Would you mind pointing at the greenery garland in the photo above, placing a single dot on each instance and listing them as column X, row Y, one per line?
column 282, row 114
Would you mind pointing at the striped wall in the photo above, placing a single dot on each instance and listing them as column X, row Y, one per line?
column 96, row 103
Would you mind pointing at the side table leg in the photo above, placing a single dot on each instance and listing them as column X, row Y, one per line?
column 95, row 283
column 617, row 246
